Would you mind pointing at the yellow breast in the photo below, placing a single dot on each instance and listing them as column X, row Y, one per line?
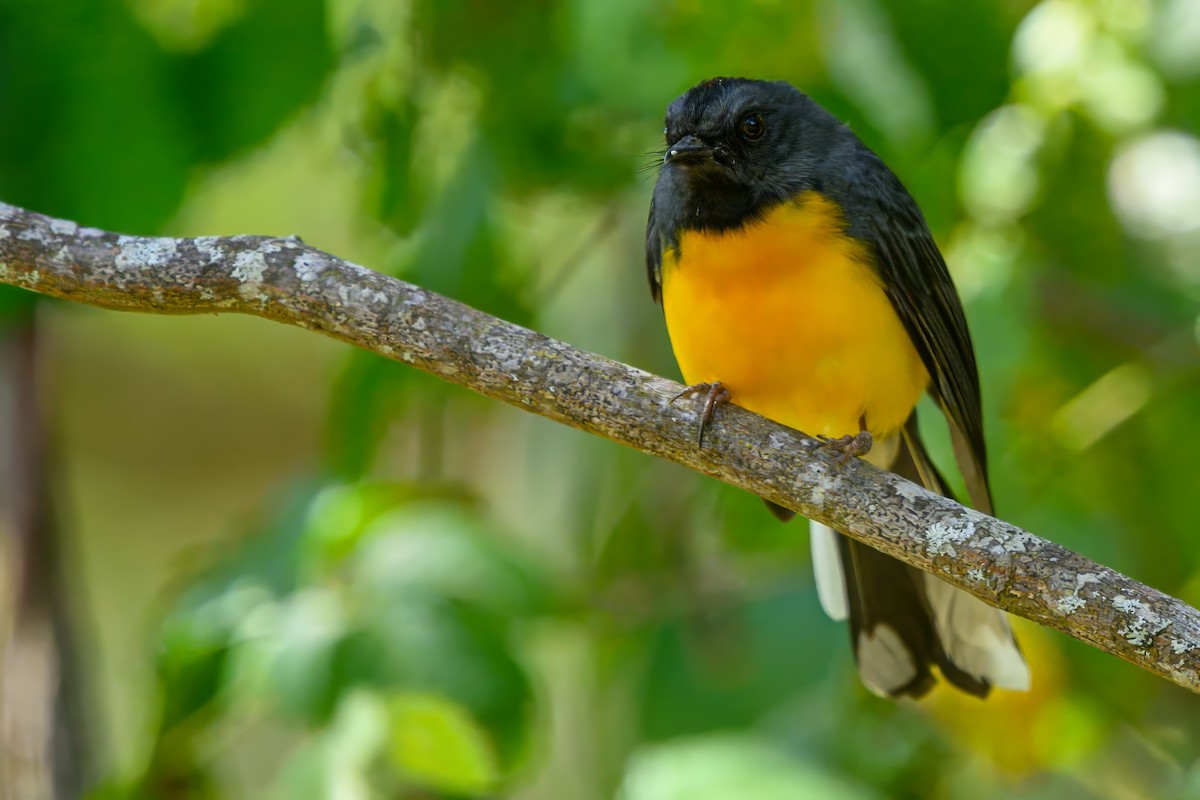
column 789, row 315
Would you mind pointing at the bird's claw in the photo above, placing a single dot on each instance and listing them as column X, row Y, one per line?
column 848, row 446
column 715, row 394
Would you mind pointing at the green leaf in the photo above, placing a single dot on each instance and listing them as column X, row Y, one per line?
column 721, row 767
column 440, row 549
column 252, row 88
column 726, row 668
column 89, row 114
column 436, row 743
column 194, row 650
column 303, row 677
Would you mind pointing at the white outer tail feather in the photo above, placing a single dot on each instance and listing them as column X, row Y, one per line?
column 975, row 636
column 885, row 662
column 827, row 571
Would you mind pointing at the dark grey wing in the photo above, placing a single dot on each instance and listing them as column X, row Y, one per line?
column 881, row 212
column 654, row 256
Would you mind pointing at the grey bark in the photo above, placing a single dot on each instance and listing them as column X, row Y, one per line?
column 286, row 281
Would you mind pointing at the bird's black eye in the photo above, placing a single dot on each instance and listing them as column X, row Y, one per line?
column 752, row 127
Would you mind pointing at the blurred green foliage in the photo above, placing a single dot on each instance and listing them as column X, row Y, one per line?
column 386, row 628
column 363, row 583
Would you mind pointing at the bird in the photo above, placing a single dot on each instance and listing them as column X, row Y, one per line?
column 799, row 279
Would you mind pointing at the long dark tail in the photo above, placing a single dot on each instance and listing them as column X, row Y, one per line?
column 904, row 622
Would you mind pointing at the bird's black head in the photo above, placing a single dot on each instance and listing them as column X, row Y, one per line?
column 735, row 148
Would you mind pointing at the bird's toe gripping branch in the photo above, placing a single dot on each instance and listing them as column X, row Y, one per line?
column 848, row 446
column 715, row 394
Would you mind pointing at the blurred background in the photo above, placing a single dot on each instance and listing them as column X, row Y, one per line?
column 242, row 560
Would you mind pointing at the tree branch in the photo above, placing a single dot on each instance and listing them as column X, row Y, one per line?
column 287, row 281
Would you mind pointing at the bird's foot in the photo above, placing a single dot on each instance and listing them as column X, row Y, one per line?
column 848, row 446
column 715, row 394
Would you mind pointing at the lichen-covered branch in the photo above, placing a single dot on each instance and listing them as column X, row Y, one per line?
column 286, row 281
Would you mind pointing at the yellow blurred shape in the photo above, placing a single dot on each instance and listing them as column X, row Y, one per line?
column 998, row 729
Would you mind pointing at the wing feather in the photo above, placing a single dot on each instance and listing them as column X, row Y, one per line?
column 883, row 214
column 654, row 256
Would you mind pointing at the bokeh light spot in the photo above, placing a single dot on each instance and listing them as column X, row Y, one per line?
column 1154, row 185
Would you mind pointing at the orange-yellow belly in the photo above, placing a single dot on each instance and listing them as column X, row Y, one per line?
column 788, row 314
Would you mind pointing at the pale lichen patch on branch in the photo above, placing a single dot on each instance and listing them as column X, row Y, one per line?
column 780, row 440
column 911, row 491
column 210, row 248
column 821, row 486
column 307, row 267
column 1069, row 602
column 1145, row 625
column 249, row 267
column 940, row 539
column 64, row 227
column 137, row 252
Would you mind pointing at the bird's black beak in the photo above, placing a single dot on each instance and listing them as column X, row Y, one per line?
column 688, row 150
